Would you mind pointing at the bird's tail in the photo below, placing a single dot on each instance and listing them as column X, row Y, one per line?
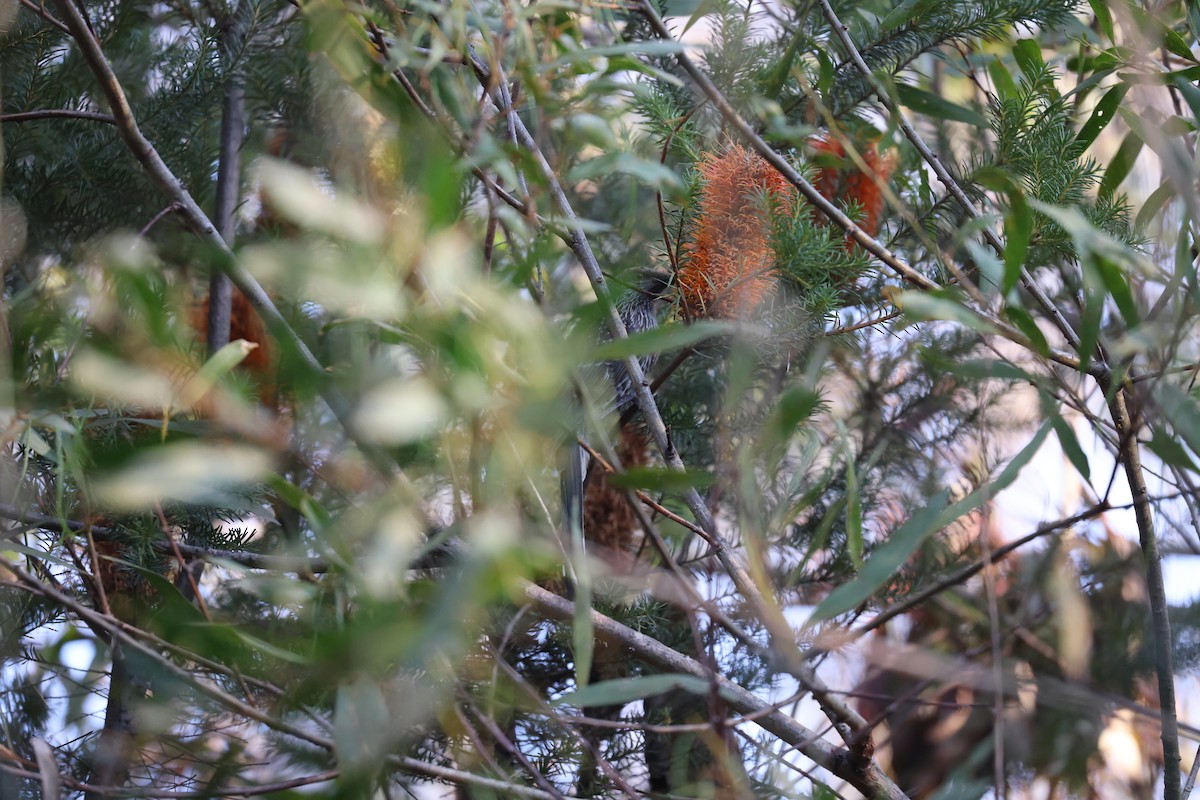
column 572, row 475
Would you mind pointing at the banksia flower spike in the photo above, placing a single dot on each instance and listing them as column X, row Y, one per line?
column 727, row 266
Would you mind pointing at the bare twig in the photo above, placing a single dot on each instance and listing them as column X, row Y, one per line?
column 1131, row 460
column 157, row 218
column 40, row 11
column 58, row 113
column 968, row 572
column 871, row 780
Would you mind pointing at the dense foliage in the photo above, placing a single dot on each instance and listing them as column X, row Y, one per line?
column 304, row 307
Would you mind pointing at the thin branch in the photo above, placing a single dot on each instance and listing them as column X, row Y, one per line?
column 870, row 780
column 58, row 113
column 1131, row 459
column 968, row 572
column 37, row 9
column 494, row 730
column 157, row 218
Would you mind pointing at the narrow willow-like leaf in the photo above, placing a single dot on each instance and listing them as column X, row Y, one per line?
column 932, row 105
column 904, row 541
column 626, row 690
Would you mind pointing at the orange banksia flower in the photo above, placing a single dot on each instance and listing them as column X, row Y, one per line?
column 727, row 269
column 848, row 184
column 244, row 323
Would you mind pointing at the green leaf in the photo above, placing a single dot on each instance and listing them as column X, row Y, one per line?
column 793, row 407
column 1070, row 445
column 626, row 690
column 1181, row 410
column 648, row 171
column 1102, row 114
column 780, row 76
column 1028, row 55
column 1168, row 448
column 1191, row 95
column 884, row 561
column 902, row 13
column 1113, row 279
column 1003, row 79
column 662, row 339
column 642, row 48
column 1176, row 44
column 1122, row 163
column 1154, row 204
column 905, row 540
column 1018, row 229
column 854, row 529
column 263, row 646
column 977, row 369
column 1103, row 18
column 583, row 635
column 659, row 480
column 316, row 514
column 703, row 8
column 931, row 105
column 924, row 306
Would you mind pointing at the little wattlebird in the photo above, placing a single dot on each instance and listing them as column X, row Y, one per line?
column 641, row 309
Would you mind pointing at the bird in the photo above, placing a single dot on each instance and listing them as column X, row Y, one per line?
column 641, row 309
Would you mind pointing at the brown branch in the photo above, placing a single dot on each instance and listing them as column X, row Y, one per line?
column 1131, row 459
column 870, row 780
column 157, row 218
column 37, row 9
column 58, row 113
column 968, row 572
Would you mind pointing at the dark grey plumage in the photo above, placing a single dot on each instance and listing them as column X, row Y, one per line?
column 640, row 309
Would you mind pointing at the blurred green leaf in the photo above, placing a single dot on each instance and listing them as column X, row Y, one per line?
column 1154, row 204
column 662, row 339
column 1028, row 55
column 1103, row 18
column 1003, row 79
column 1168, row 448
column 627, row 690
column 888, row 557
column 854, row 528
column 885, row 560
column 1181, row 409
column 927, row 306
column 1122, row 163
column 188, row 472
column 931, row 105
column 1018, row 229
column 659, row 480
column 1070, row 445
